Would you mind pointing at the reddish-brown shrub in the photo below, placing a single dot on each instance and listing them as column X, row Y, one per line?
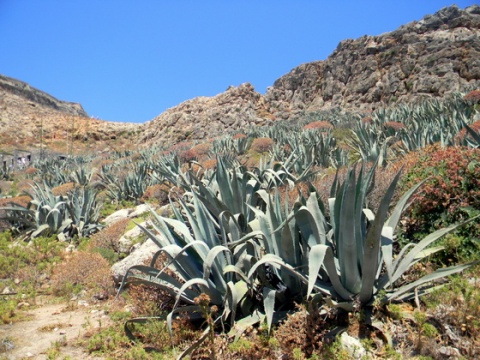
column 200, row 151
column 89, row 271
column 318, row 125
column 304, row 329
column 261, row 145
column 156, row 192
column 63, row 189
column 452, row 191
column 473, row 97
column 239, row 136
column 475, row 126
column 184, row 145
column 30, row 171
column 186, row 155
column 366, row 120
column 209, row 164
column 24, row 185
column 22, row 200
column 108, row 237
column 393, row 125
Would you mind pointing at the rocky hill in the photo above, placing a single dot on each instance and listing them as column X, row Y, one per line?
column 427, row 58
column 30, row 119
column 17, row 96
column 431, row 57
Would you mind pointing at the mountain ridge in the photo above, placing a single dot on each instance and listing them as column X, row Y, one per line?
column 431, row 57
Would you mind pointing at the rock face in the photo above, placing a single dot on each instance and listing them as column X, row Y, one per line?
column 431, row 57
column 427, row 58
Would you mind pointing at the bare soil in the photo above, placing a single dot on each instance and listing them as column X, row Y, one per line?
column 50, row 326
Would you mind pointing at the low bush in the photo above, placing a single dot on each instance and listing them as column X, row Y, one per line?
column 157, row 193
column 318, row 125
column 106, row 242
column 473, row 97
column 451, row 193
column 83, row 270
column 261, row 145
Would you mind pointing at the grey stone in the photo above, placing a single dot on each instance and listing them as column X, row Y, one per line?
column 353, row 346
column 117, row 215
column 139, row 210
column 144, row 252
column 450, row 352
column 126, row 241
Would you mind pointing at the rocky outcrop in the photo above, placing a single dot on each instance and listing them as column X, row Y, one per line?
column 427, row 58
column 434, row 56
column 205, row 117
column 15, row 88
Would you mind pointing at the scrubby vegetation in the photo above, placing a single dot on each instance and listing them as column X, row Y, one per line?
column 272, row 242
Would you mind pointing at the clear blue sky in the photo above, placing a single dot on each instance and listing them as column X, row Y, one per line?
column 128, row 61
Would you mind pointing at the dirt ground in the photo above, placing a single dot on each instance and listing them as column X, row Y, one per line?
column 49, row 326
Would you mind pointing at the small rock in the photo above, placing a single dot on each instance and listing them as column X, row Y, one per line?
column 7, row 290
column 128, row 308
column 126, row 241
column 70, row 248
column 139, row 210
column 29, row 355
column 145, row 251
column 22, row 304
column 353, row 346
column 16, row 281
column 450, row 352
column 6, row 344
column 82, row 303
column 117, row 215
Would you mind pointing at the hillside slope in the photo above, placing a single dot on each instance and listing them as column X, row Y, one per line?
column 431, row 57
column 31, row 119
column 428, row 58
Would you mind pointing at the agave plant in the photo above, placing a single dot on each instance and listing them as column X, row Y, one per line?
column 45, row 214
column 63, row 215
column 352, row 261
column 131, row 187
column 81, row 175
column 84, row 211
column 199, row 261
